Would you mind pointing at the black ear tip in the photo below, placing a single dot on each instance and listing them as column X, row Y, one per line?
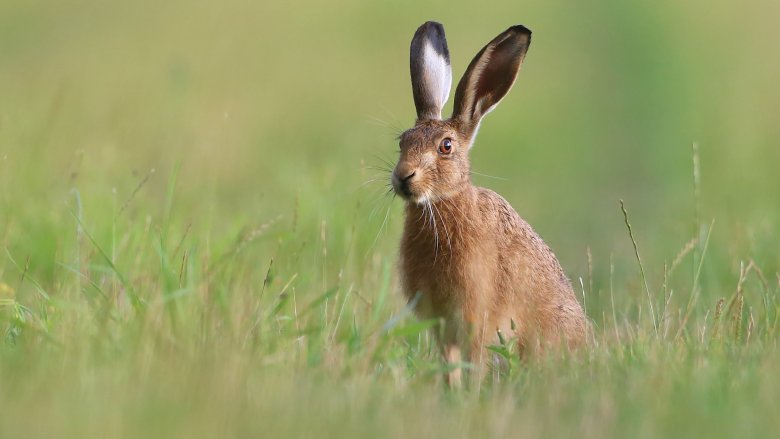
column 520, row 29
column 431, row 28
column 433, row 24
column 433, row 32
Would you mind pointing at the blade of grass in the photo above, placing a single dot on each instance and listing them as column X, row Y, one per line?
column 641, row 268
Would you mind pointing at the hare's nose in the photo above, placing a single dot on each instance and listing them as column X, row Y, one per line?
column 401, row 182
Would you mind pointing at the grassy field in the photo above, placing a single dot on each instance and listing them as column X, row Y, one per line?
column 194, row 239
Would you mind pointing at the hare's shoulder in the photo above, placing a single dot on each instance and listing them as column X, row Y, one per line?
column 495, row 207
column 513, row 230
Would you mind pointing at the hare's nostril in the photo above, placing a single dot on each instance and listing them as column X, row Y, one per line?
column 402, row 183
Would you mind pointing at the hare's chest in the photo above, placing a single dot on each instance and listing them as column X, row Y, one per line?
column 442, row 278
column 429, row 274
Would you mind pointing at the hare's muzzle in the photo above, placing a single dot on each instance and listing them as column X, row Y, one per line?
column 402, row 182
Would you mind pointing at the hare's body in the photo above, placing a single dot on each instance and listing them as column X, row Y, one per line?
column 480, row 267
column 466, row 256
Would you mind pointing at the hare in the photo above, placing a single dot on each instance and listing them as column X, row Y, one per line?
column 466, row 257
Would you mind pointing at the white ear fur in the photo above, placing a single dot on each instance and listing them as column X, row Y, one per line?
column 430, row 70
column 437, row 76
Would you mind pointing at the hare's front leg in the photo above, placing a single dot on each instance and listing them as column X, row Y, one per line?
column 452, row 338
column 453, row 358
column 478, row 355
column 463, row 339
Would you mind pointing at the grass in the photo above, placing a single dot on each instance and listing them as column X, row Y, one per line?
column 149, row 328
column 195, row 239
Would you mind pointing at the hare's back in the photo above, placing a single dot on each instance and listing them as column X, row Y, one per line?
column 522, row 251
column 532, row 273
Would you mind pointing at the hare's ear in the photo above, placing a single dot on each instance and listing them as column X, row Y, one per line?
column 490, row 76
column 430, row 68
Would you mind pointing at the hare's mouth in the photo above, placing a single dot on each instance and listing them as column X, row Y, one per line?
column 404, row 191
column 403, row 185
column 412, row 189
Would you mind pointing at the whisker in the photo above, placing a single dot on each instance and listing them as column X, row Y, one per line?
column 387, row 215
column 489, row 176
column 459, row 213
column 446, row 232
column 373, row 180
column 435, row 232
column 395, row 127
column 422, row 219
column 384, row 222
column 378, row 168
column 383, row 160
column 377, row 204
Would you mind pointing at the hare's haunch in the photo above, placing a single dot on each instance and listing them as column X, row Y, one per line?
column 468, row 255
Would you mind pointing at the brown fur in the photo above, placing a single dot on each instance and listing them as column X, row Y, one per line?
column 473, row 260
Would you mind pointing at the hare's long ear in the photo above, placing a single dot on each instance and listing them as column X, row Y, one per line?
column 490, row 76
column 430, row 68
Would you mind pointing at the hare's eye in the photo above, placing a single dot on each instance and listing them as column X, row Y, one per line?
column 445, row 147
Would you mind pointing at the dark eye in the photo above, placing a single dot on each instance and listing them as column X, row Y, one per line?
column 445, row 147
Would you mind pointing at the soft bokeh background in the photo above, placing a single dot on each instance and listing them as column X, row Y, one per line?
column 237, row 132
column 264, row 105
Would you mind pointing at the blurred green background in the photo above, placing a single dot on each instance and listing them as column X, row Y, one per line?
column 263, row 104
column 170, row 138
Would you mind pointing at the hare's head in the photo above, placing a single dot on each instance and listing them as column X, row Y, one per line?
column 434, row 162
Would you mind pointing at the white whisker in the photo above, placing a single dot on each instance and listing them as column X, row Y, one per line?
column 446, row 232
column 488, row 176
column 374, row 180
column 435, row 232
column 376, row 202
column 384, row 222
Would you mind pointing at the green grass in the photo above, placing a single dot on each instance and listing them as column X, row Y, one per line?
column 194, row 240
